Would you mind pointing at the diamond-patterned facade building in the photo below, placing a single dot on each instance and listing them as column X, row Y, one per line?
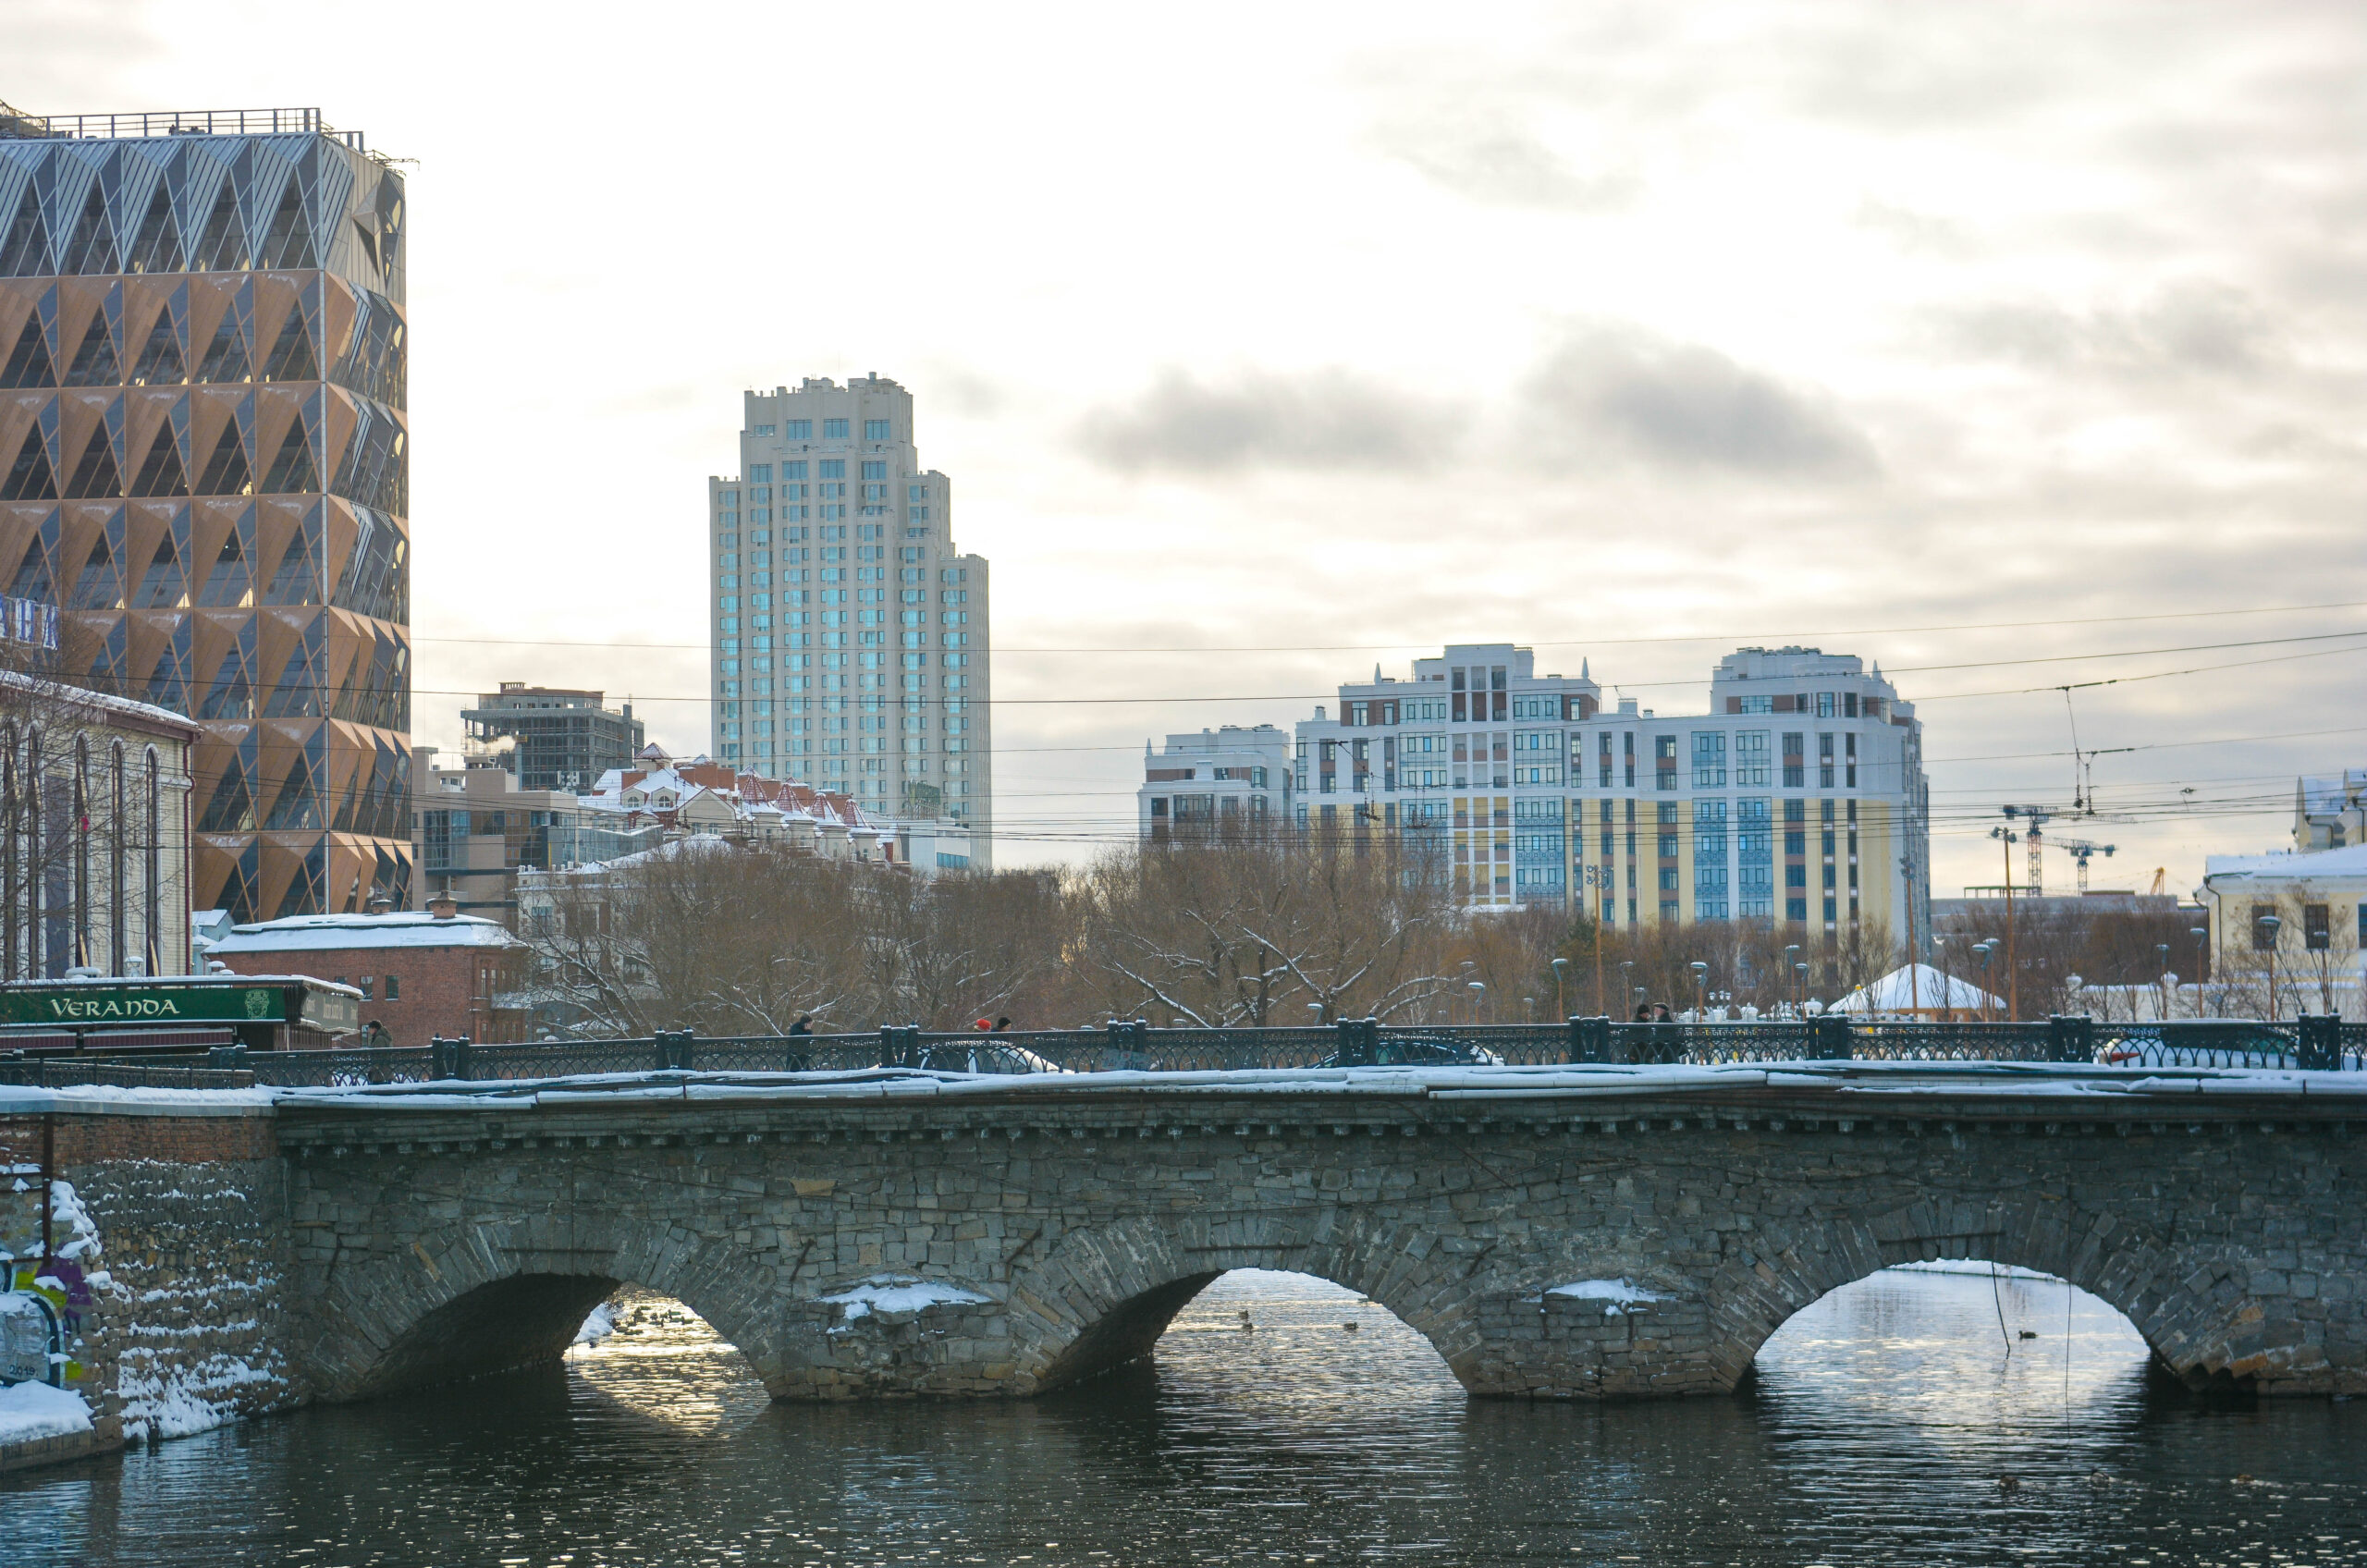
column 204, row 462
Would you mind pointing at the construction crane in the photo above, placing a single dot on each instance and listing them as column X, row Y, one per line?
column 2038, row 817
column 2081, row 852
column 2160, row 872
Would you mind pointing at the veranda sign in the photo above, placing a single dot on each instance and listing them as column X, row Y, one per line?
column 143, row 1004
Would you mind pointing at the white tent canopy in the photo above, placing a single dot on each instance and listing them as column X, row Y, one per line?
column 1917, row 988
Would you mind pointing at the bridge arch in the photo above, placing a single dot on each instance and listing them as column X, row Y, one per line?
column 2196, row 1318
column 482, row 1298
column 1104, row 1294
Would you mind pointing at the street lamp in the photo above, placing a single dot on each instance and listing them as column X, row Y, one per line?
column 1626, row 980
column 2272, row 924
column 1602, row 877
column 1988, row 997
column 2163, row 949
column 2073, row 983
column 1701, row 989
column 2201, row 935
column 1791, row 962
column 1560, row 966
column 1478, row 996
column 1801, row 988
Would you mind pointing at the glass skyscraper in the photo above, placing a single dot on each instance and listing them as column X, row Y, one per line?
column 204, row 461
column 850, row 635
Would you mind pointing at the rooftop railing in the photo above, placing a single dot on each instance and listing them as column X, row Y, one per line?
column 178, row 122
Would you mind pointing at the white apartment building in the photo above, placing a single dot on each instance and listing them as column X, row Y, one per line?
column 1214, row 781
column 850, row 636
column 1799, row 796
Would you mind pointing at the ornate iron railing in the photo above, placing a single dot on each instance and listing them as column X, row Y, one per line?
column 67, row 1073
column 2317, row 1044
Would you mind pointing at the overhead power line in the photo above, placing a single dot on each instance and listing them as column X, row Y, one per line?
column 1590, row 643
column 1330, row 696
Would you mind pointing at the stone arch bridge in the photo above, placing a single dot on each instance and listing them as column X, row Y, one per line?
column 1581, row 1234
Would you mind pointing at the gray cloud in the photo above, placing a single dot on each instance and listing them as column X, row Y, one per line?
column 1915, row 233
column 1681, row 406
column 2201, row 328
column 1488, row 157
column 1254, row 418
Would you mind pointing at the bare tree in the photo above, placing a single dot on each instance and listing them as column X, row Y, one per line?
column 1266, row 930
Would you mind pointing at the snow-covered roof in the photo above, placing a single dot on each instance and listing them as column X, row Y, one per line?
column 2332, row 794
column 189, row 982
column 1916, row 988
column 673, row 848
column 77, row 696
column 743, row 793
column 2351, row 861
column 338, row 933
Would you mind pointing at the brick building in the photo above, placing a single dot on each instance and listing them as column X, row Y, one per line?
column 421, row 975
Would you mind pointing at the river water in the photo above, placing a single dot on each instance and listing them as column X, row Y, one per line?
column 1886, row 1424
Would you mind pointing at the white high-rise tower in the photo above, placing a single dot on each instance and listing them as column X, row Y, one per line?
column 850, row 636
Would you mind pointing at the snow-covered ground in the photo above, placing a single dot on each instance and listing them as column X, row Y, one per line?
column 1618, row 1297
column 598, row 1324
column 1888, row 1080
column 897, row 1292
column 35, row 1410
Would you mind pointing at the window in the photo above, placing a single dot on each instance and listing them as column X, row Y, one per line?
column 1825, row 710
column 875, row 430
column 1750, row 757
column 2317, row 927
column 1708, row 759
column 798, row 430
column 834, row 430
column 1755, row 704
column 831, row 467
column 875, row 471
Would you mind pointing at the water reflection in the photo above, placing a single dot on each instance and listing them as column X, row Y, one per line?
column 1884, row 1424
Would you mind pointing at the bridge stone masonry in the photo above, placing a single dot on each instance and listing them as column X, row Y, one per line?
column 1575, row 1233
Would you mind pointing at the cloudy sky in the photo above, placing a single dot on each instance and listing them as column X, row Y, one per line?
column 2012, row 346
